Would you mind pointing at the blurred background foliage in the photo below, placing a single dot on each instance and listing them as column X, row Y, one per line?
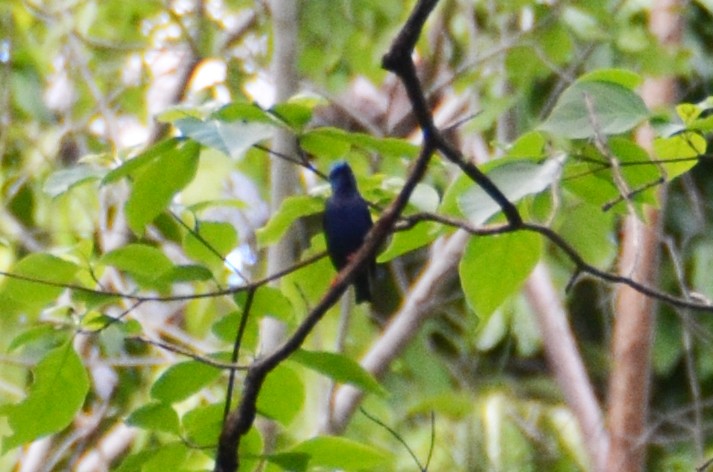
column 98, row 192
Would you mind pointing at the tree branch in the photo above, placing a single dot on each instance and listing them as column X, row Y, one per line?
column 241, row 419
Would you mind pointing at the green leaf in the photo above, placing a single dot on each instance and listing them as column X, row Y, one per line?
column 589, row 230
column 231, row 138
column 158, row 182
column 202, row 424
column 251, row 450
column 63, row 180
column 409, row 240
column 180, row 381
column 57, row 393
column 185, row 273
column 681, row 152
column 45, row 274
column 688, row 112
column 530, row 145
column 226, row 328
column 594, row 180
column 292, row 461
column 293, row 113
column 324, row 144
column 282, row 395
column 155, row 416
column 623, row 77
column 219, row 236
column 616, row 109
column 334, row 136
column 244, row 112
column 290, row 210
column 494, row 267
column 339, row 368
column 171, row 457
column 515, row 180
column 146, row 264
column 44, row 336
column 334, row 452
column 269, row 301
column 133, row 165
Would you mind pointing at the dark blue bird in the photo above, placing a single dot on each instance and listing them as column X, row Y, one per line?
column 346, row 222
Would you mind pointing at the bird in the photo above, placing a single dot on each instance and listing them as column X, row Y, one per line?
column 346, row 222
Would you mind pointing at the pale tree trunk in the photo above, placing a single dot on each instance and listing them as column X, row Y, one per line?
column 634, row 313
column 566, row 364
column 283, row 175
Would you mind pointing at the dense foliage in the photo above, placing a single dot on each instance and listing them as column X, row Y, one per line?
column 135, row 153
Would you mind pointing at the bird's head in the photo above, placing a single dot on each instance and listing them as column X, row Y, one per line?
column 342, row 179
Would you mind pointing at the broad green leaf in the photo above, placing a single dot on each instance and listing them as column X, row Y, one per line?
column 95, row 321
column 146, row 264
column 232, row 138
column 339, row 368
column 251, row 450
column 387, row 146
column 616, row 110
column 226, row 328
column 134, row 462
column 44, row 276
column 515, row 180
column 44, row 336
column 595, row 182
column 169, row 457
column 292, row 461
column 679, row 152
column 294, row 114
column 282, row 395
column 56, row 395
column 158, row 182
column 324, row 144
column 180, row 381
column 218, row 236
column 589, row 230
column 530, row 145
column 133, row 165
column 161, row 457
column 297, row 111
column 334, row 452
column 202, row 424
column 495, row 267
column 688, row 112
column 155, row 416
column 243, row 112
column 704, row 125
column 409, row 240
column 290, row 210
column 623, row 77
column 424, row 197
column 311, row 282
column 65, row 179
column 269, row 301
column 185, row 273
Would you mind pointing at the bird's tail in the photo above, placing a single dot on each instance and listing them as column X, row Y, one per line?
column 362, row 287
